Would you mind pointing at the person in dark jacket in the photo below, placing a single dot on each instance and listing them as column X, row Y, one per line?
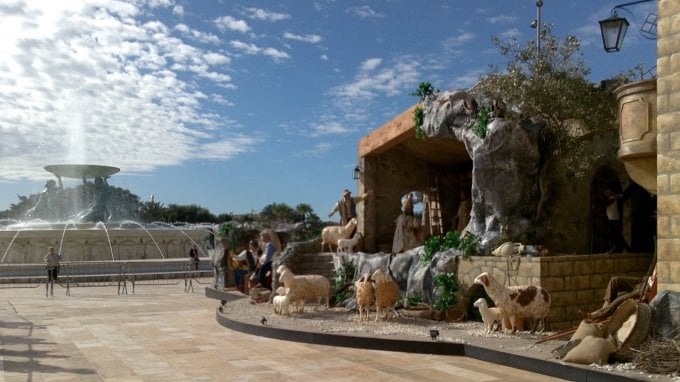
column 193, row 257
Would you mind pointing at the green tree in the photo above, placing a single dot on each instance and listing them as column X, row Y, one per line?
column 225, row 217
column 189, row 214
column 17, row 210
column 305, row 213
column 278, row 212
column 550, row 86
column 151, row 211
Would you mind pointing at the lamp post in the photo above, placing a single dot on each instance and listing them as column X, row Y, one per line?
column 613, row 31
column 536, row 24
column 614, row 28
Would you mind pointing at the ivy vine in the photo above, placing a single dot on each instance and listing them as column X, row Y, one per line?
column 448, row 282
column 468, row 244
column 483, row 119
column 424, row 92
column 343, row 282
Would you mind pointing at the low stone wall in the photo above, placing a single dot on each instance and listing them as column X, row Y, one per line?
column 575, row 282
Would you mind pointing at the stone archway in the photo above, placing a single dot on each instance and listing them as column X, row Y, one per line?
column 604, row 177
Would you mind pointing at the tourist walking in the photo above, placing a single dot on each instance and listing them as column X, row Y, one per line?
column 52, row 259
column 193, row 257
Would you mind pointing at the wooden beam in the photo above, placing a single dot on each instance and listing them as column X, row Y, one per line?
column 389, row 135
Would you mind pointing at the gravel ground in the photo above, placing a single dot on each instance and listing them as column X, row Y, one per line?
column 340, row 320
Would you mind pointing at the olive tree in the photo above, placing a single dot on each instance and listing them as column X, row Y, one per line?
column 550, row 87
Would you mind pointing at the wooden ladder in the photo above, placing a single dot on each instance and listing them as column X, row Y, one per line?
column 435, row 210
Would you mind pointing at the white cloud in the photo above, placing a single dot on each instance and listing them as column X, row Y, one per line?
column 501, row 19
column 228, row 148
column 245, row 47
column 263, row 14
column 203, row 37
column 85, row 84
column 365, row 11
column 230, row 23
column 319, row 149
column 510, row 33
column 458, row 40
column 253, row 49
column 370, row 64
column 276, row 54
column 178, row 10
column 373, row 81
column 329, row 128
column 310, row 38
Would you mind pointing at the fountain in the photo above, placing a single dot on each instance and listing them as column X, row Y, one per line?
column 90, row 235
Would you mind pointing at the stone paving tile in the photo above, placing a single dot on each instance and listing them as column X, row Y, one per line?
column 163, row 334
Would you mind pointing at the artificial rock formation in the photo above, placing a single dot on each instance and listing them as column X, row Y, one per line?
column 505, row 166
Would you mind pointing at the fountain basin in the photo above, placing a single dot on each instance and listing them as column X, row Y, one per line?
column 96, row 242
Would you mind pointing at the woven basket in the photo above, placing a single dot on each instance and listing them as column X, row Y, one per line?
column 630, row 325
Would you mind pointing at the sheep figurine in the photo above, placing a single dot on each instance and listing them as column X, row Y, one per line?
column 508, row 249
column 387, row 293
column 331, row 234
column 306, row 287
column 489, row 315
column 260, row 294
column 527, row 301
column 363, row 292
column 282, row 303
column 347, row 245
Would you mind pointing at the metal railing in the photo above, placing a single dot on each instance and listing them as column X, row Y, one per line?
column 108, row 273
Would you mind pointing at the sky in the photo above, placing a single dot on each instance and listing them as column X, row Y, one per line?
column 235, row 105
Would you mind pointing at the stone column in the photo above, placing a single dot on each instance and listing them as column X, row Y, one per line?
column 668, row 145
column 366, row 210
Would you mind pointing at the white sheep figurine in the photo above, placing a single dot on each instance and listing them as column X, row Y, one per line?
column 526, row 301
column 347, row 245
column 306, row 287
column 387, row 293
column 282, row 303
column 489, row 315
column 331, row 234
column 508, row 249
column 363, row 292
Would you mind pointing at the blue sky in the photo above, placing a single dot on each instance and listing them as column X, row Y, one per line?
column 234, row 105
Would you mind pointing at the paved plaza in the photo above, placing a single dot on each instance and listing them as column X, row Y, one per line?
column 161, row 333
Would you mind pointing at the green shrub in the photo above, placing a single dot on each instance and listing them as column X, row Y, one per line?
column 468, row 244
column 482, row 122
column 344, row 282
column 414, row 299
column 448, row 282
column 425, row 92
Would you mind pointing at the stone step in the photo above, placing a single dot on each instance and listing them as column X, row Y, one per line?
column 318, row 257
column 318, row 264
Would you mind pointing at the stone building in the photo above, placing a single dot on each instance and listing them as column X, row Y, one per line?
column 393, row 163
column 668, row 145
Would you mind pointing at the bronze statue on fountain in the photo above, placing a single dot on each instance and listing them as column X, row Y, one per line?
column 95, row 195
